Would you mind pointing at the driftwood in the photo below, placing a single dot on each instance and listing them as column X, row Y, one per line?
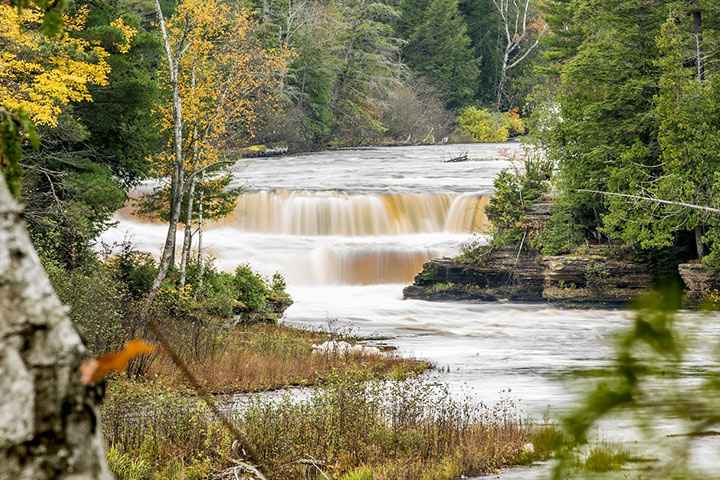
column 458, row 159
column 245, row 471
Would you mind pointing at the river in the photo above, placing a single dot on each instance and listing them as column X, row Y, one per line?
column 349, row 229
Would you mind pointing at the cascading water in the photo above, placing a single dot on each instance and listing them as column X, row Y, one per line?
column 357, row 215
column 332, row 237
column 350, row 229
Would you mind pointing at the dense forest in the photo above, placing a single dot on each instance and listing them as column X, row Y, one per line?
column 303, row 75
column 620, row 97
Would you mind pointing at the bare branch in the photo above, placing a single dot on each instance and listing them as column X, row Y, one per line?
column 702, row 208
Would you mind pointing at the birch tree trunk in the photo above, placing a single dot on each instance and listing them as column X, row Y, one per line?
column 49, row 423
column 177, row 182
column 201, row 264
column 187, row 241
column 516, row 37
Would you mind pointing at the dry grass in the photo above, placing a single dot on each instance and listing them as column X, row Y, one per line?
column 265, row 357
column 400, row 430
column 356, row 427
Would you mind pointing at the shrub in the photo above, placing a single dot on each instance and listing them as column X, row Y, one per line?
column 133, row 268
column 250, row 288
column 515, row 192
column 97, row 302
column 489, row 127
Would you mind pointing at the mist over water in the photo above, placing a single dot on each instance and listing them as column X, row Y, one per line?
column 349, row 229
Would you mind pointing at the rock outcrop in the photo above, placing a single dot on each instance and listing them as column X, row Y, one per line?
column 274, row 309
column 503, row 277
column 531, row 277
column 699, row 281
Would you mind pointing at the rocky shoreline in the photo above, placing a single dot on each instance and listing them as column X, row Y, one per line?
column 570, row 280
column 592, row 278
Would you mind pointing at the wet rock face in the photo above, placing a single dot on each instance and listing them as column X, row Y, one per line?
column 505, row 276
column 532, row 278
column 699, row 280
column 594, row 279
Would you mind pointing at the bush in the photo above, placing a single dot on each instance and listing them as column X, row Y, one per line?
column 250, row 288
column 97, row 302
column 489, row 127
column 515, row 192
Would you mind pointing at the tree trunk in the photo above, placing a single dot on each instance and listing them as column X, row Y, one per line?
column 501, row 88
column 49, row 423
column 699, row 243
column 187, row 241
column 177, row 181
column 200, row 238
column 697, row 22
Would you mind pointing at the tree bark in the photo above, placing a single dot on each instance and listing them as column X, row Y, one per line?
column 187, row 241
column 697, row 23
column 201, row 264
column 177, row 182
column 49, row 423
column 699, row 242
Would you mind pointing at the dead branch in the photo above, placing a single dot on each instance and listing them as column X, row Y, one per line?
column 691, row 206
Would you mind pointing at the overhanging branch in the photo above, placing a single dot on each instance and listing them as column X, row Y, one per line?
column 691, row 206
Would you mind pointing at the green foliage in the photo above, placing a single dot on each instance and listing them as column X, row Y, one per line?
column 483, row 20
column 250, row 287
column 278, row 284
column 78, row 178
column 563, row 232
column 438, row 48
column 97, row 302
column 360, row 473
column 12, row 127
column 631, row 113
column 602, row 458
column 219, row 200
column 647, row 381
column 155, row 433
column 489, row 127
column 596, row 275
column 515, row 193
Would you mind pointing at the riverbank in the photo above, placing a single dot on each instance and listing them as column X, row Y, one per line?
column 262, row 357
column 369, row 416
column 593, row 278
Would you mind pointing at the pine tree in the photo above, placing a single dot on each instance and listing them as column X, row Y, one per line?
column 439, row 49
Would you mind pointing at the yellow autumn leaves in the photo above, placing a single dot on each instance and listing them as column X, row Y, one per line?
column 225, row 79
column 41, row 74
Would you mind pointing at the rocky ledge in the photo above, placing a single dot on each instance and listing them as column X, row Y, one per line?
column 531, row 277
column 274, row 309
column 700, row 282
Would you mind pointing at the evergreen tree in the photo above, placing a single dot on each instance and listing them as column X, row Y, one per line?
column 439, row 49
column 602, row 114
column 483, row 23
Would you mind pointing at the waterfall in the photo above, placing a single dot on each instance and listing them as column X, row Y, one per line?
column 337, row 238
column 357, row 215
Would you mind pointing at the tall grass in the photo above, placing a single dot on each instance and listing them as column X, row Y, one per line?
column 354, row 426
column 262, row 357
